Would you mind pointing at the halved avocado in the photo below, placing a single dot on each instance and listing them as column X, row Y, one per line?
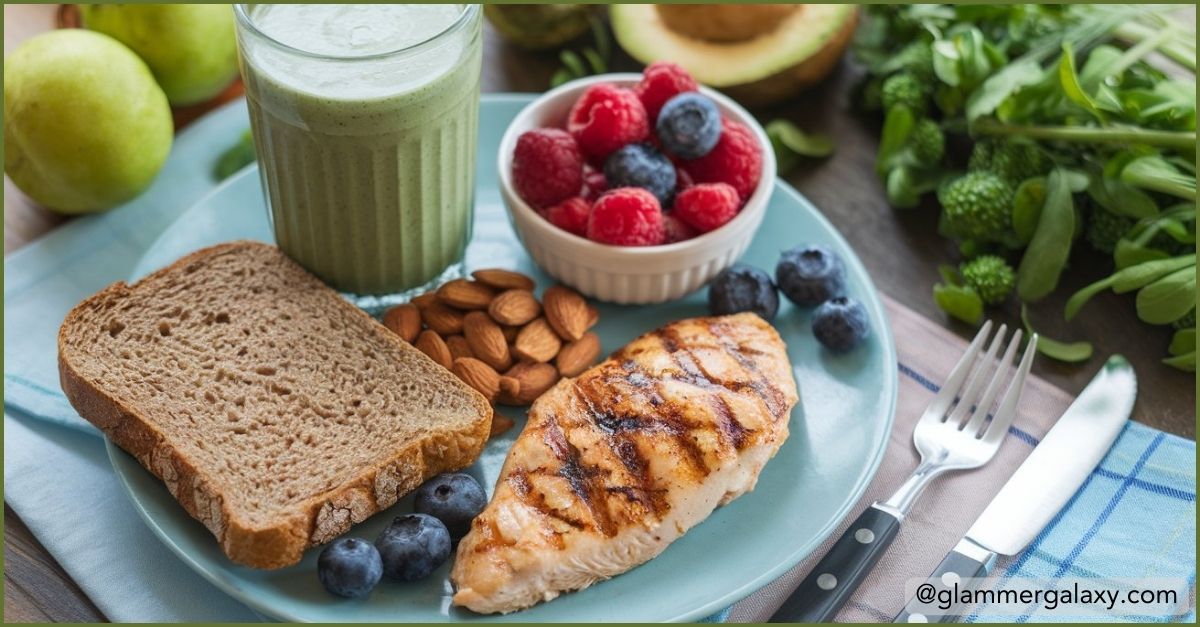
column 772, row 66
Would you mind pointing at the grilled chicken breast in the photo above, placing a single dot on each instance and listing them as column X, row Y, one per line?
column 614, row 465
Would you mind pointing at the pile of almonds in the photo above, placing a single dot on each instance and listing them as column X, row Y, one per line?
column 494, row 334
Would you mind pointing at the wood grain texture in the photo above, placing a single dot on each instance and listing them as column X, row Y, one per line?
column 901, row 250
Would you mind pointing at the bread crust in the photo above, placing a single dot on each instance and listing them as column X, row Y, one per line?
column 316, row 520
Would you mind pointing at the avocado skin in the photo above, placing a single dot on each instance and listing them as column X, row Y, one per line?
column 774, row 88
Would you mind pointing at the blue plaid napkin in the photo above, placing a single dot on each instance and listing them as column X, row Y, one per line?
column 1134, row 517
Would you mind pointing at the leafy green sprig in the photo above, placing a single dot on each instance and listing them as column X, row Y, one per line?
column 1073, row 123
column 587, row 61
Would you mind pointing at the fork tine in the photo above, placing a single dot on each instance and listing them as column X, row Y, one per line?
column 985, row 404
column 941, row 402
column 970, row 394
column 1003, row 418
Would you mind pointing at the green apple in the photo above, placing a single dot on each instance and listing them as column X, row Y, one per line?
column 191, row 48
column 85, row 125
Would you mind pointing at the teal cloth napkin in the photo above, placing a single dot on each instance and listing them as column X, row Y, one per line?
column 1126, row 521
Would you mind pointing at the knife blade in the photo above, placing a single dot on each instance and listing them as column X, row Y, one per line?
column 1044, row 482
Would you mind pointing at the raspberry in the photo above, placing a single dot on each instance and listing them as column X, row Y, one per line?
column 676, row 230
column 736, row 159
column 605, row 118
column 571, row 215
column 626, row 216
column 662, row 81
column 707, row 206
column 594, row 183
column 547, row 167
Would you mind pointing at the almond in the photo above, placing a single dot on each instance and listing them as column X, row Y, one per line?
column 404, row 320
column 442, row 319
column 503, row 279
column 486, row 340
column 478, row 375
column 533, row 379
column 579, row 355
column 510, row 332
column 514, row 307
column 431, row 344
column 424, row 300
column 566, row 311
column 536, row 342
column 593, row 315
column 458, row 347
column 464, row 294
column 500, row 424
column 510, row 388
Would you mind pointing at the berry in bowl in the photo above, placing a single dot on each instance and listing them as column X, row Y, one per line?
column 635, row 188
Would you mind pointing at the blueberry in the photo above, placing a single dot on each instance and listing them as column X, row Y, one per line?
column 413, row 546
column 743, row 288
column 689, row 125
column 810, row 275
column 349, row 567
column 840, row 324
column 453, row 498
column 642, row 165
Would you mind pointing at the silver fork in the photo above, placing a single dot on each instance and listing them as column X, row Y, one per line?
column 948, row 440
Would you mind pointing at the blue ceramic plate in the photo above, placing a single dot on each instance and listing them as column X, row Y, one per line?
column 838, row 434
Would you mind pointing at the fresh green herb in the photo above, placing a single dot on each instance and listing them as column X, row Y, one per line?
column 1073, row 134
column 960, row 302
column 1050, row 245
column 1071, row 352
column 589, row 60
column 1169, row 298
column 1129, row 279
column 790, row 144
column 235, row 157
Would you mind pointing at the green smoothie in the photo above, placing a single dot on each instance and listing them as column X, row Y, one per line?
column 364, row 119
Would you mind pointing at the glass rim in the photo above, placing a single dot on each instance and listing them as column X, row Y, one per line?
column 244, row 20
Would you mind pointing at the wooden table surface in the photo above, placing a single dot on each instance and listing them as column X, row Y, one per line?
column 901, row 249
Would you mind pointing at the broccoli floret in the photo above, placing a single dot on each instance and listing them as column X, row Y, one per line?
column 981, row 156
column 1106, row 228
column 1186, row 322
column 905, row 89
column 1013, row 161
column 928, row 142
column 870, row 94
column 990, row 276
column 977, row 205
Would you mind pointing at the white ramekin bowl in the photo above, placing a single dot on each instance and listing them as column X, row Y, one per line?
column 618, row 274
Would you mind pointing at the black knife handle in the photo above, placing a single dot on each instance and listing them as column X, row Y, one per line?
column 961, row 565
column 834, row 579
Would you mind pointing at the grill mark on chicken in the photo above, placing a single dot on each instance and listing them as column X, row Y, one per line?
column 732, row 430
column 519, row 481
column 770, row 394
column 694, row 373
column 601, row 407
column 583, row 479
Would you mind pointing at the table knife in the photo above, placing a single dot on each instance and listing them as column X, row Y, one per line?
column 1043, row 484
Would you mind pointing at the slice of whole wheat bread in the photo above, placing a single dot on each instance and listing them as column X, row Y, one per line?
column 277, row 413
